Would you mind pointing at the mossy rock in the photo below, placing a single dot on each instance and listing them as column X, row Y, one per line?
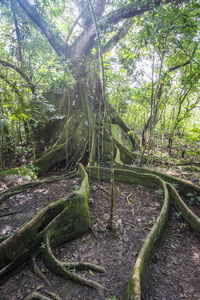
column 16, row 174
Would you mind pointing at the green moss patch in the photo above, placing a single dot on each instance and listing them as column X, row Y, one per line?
column 17, row 173
column 63, row 220
column 122, row 138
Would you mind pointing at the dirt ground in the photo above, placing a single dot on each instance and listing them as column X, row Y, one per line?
column 173, row 271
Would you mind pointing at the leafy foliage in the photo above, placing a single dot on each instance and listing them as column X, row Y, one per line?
column 194, row 200
column 153, row 72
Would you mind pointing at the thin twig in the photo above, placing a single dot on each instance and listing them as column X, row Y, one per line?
column 128, row 200
column 101, row 188
column 10, row 213
column 75, row 23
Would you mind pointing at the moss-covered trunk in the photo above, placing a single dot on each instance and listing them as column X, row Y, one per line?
column 84, row 118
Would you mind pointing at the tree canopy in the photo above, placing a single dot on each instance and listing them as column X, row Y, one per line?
column 150, row 47
column 96, row 83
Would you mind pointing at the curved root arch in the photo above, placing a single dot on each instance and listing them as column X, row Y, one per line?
column 154, row 180
column 69, row 217
column 65, row 219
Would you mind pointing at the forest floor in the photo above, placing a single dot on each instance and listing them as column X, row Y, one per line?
column 172, row 273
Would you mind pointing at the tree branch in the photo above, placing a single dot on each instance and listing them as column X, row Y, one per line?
column 85, row 41
column 42, row 24
column 99, row 8
column 18, row 70
column 177, row 67
column 191, row 56
column 75, row 23
column 131, row 10
column 122, row 31
column 13, row 86
column 13, row 7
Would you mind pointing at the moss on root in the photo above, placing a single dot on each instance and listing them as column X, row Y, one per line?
column 69, row 217
column 156, row 180
column 65, row 219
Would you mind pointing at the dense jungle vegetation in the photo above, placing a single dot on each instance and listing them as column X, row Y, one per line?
column 150, row 64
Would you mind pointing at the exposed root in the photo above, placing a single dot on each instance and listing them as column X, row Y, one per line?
column 66, row 218
column 58, row 222
column 36, row 296
column 37, row 271
column 118, row 190
column 84, row 266
column 10, row 213
column 53, row 295
column 129, row 200
column 63, row 269
column 101, row 188
column 154, row 180
column 23, row 187
column 187, row 214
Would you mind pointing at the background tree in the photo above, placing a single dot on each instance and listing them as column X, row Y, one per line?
column 53, row 60
column 50, row 50
column 75, row 47
column 155, row 56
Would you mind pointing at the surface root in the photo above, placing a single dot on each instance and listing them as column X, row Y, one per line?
column 36, row 296
column 63, row 268
column 37, row 270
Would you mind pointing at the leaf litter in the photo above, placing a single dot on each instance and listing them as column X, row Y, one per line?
column 173, row 271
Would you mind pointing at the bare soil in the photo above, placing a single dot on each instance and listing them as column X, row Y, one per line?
column 173, row 271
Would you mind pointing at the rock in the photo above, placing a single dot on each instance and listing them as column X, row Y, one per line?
column 16, row 175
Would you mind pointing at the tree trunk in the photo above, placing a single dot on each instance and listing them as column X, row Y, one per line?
column 84, row 116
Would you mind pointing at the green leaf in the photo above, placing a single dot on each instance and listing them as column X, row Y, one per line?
column 40, row 287
column 190, row 195
column 192, row 201
column 72, row 270
column 91, row 272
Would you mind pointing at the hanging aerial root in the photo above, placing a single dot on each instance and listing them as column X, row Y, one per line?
column 84, row 149
column 154, row 180
column 63, row 269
